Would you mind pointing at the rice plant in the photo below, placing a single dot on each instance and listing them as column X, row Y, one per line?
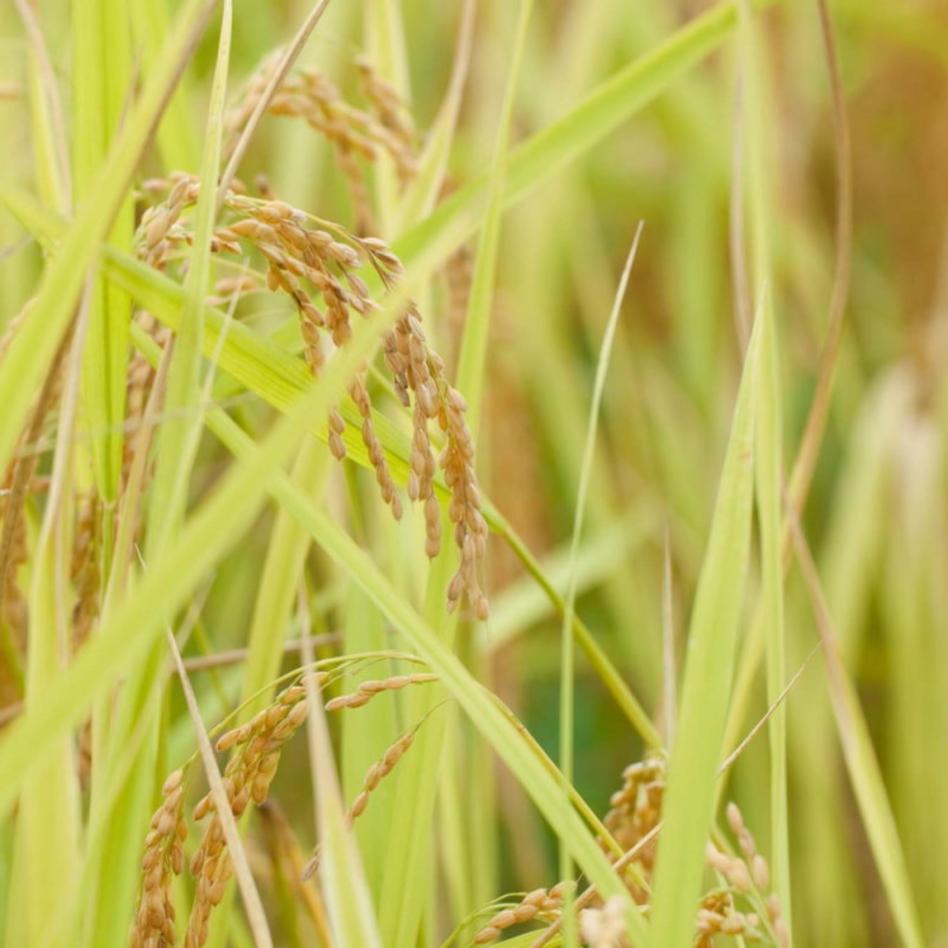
column 472, row 474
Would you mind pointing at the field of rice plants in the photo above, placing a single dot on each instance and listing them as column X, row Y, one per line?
column 473, row 473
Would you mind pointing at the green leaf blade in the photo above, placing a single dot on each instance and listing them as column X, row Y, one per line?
column 712, row 640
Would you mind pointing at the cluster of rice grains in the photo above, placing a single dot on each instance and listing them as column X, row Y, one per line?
column 14, row 552
column 747, row 876
column 255, row 748
column 19, row 481
column 634, row 821
column 603, row 926
column 357, row 135
column 367, row 690
column 540, row 905
column 375, row 774
column 317, row 264
column 635, row 810
column 163, row 859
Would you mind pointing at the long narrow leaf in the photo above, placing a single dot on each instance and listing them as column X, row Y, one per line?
column 861, row 761
column 712, row 639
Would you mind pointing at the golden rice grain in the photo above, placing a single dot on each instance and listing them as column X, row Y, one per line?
column 542, row 904
column 163, row 859
column 369, row 689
